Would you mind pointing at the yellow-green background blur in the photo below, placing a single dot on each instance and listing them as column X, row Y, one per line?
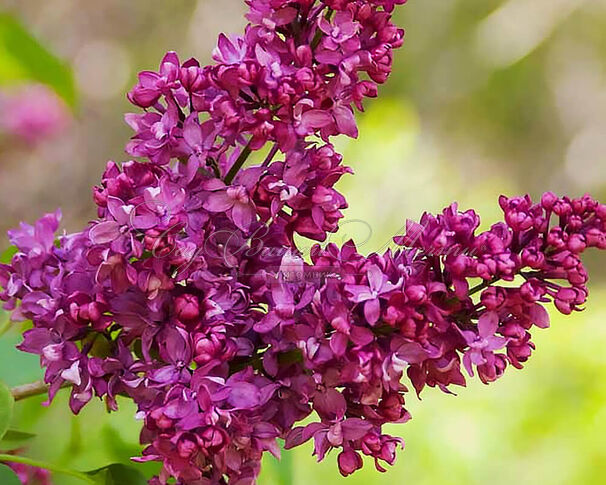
column 487, row 97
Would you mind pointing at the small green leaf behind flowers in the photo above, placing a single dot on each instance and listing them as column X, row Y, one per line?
column 6, row 408
column 14, row 439
column 7, row 256
column 117, row 474
column 7, row 476
column 25, row 58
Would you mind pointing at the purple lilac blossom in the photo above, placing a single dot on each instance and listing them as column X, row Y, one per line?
column 32, row 113
column 189, row 296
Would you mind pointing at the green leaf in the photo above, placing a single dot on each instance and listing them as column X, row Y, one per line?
column 5, row 321
column 23, row 57
column 6, row 408
column 118, row 474
column 118, row 449
column 8, row 254
column 7, row 476
column 13, row 439
column 17, row 366
column 282, row 470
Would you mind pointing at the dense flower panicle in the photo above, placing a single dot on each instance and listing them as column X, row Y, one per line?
column 189, row 295
column 299, row 70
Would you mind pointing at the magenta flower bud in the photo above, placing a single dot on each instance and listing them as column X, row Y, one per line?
column 388, row 449
column 577, row 276
column 187, row 308
column 214, row 439
column 493, row 368
column 513, row 330
column 100, row 196
column 577, row 243
column 187, row 447
column 416, row 293
column 562, row 208
column 519, row 353
column 531, row 291
column 574, row 223
column 565, row 300
column 458, row 264
column 518, row 221
column 349, row 462
column 392, row 408
column 215, row 345
column 160, row 419
column 548, row 200
column 206, row 349
column 304, row 55
column 581, row 204
column 95, row 311
column 191, row 76
column 533, row 258
column 371, row 444
column 493, row 298
column 596, row 238
column 159, row 243
column 557, row 237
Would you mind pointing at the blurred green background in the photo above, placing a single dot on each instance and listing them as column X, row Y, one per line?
column 487, row 97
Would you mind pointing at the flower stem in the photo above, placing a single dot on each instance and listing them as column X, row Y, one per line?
column 29, row 390
column 238, row 164
column 481, row 286
column 47, row 466
column 270, row 155
column 32, row 389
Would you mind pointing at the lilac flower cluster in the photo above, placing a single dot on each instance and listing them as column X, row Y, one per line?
column 32, row 113
column 299, row 70
column 189, row 295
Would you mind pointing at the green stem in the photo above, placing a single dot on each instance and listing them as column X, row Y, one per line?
column 481, row 286
column 238, row 164
column 47, row 466
column 270, row 155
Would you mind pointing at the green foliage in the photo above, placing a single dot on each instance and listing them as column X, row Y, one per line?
column 6, row 408
column 24, row 58
column 118, row 474
column 13, row 439
column 8, row 254
column 7, row 476
column 120, row 450
column 281, row 470
column 17, row 367
column 5, row 322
